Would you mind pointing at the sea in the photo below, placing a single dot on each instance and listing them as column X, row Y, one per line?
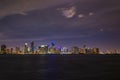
column 60, row 67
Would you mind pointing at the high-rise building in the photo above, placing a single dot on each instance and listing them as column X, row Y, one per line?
column 52, row 50
column 43, row 49
column 83, row 50
column 32, row 47
column 89, row 50
column 3, row 49
column 75, row 50
column 26, row 49
column 64, row 50
column 96, row 51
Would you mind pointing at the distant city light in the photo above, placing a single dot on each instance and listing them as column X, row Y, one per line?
column 54, row 49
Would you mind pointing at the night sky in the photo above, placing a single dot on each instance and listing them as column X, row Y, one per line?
column 95, row 23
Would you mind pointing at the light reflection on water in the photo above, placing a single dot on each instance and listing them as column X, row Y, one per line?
column 59, row 67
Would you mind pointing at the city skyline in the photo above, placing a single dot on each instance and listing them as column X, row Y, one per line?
column 67, row 22
column 53, row 48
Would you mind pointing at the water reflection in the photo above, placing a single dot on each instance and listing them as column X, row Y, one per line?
column 59, row 67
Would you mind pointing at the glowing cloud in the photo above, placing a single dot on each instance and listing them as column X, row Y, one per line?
column 81, row 16
column 68, row 12
column 101, row 30
column 9, row 7
column 90, row 14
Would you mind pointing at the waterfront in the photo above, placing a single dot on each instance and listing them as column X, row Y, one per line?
column 60, row 67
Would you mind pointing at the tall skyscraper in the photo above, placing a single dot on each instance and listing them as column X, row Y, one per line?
column 26, row 48
column 32, row 47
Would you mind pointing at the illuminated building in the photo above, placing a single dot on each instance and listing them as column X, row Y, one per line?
column 32, row 47
column 26, row 49
column 96, row 51
column 3, row 49
column 89, row 51
column 64, row 50
column 52, row 50
column 17, row 50
column 83, row 50
column 43, row 49
column 58, row 50
column 8, row 51
column 75, row 50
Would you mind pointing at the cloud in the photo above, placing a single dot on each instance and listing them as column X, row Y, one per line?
column 101, row 30
column 81, row 15
column 8, row 7
column 23, row 13
column 84, row 16
column 91, row 14
column 68, row 12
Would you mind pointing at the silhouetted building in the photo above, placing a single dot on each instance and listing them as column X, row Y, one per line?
column 3, row 49
column 32, row 47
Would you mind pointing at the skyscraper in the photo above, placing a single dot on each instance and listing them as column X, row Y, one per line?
column 32, row 47
column 26, row 48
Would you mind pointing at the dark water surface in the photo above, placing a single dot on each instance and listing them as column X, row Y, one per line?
column 59, row 67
